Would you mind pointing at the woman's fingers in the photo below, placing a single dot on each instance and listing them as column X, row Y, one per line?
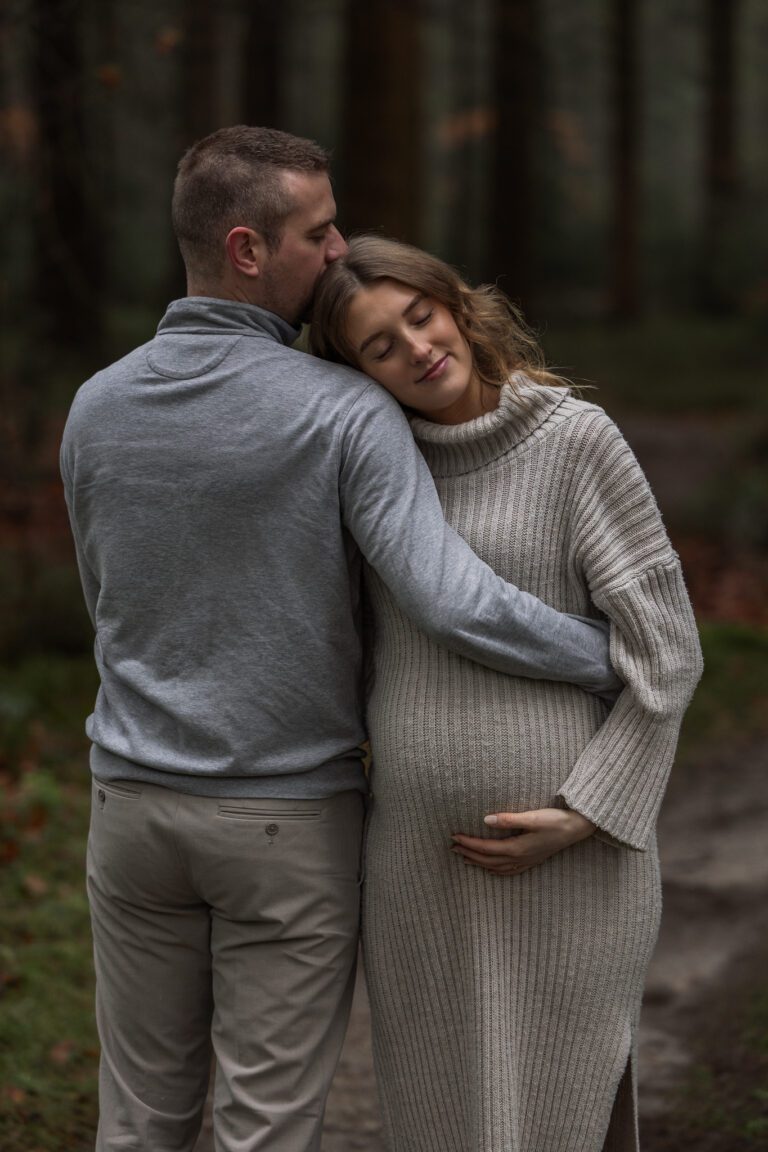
column 562, row 822
column 511, row 846
column 534, row 836
column 502, row 865
column 512, row 819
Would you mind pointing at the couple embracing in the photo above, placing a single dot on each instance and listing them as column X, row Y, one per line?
column 417, row 535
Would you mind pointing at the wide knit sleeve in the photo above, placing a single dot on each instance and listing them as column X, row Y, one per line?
column 634, row 577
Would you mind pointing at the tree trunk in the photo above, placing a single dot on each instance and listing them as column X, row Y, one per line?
column 467, row 124
column 516, row 100
column 261, row 63
column 68, row 245
column 198, row 71
column 197, row 115
column 624, row 300
column 380, row 163
column 721, row 177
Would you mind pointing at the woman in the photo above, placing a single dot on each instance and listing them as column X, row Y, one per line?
column 512, row 892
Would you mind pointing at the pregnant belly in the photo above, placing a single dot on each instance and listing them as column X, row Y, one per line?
column 461, row 758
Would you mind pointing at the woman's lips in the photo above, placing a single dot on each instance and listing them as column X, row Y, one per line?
column 436, row 369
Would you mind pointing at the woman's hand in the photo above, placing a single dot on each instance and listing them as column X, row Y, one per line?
column 535, row 835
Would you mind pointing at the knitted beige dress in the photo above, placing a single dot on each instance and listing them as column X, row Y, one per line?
column 505, row 1009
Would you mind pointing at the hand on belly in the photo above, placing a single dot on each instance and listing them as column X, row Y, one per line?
column 534, row 836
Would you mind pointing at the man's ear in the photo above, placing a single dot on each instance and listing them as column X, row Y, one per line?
column 246, row 251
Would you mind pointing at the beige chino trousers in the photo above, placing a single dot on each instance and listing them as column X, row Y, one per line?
column 231, row 922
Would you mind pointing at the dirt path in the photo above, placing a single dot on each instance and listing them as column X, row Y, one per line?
column 712, row 834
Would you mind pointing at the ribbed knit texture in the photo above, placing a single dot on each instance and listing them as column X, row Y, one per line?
column 505, row 1009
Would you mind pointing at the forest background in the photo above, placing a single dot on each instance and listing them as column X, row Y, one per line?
column 604, row 161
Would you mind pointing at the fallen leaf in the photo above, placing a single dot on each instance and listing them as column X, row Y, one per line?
column 35, row 885
column 61, row 1053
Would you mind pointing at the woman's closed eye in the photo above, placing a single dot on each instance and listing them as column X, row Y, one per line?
column 419, row 321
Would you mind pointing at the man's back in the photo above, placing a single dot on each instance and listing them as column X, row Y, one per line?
column 202, row 473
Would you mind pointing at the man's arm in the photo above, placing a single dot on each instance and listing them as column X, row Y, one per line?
column 391, row 507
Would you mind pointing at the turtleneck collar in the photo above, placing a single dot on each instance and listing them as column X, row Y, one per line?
column 523, row 411
column 209, row 315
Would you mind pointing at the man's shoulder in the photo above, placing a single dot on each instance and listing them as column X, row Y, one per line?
column 115, row 373
column 346, row 389
column 326, row 373
column 103, row 387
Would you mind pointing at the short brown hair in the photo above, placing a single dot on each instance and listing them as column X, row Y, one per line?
column 499, row 339
column 234, row 177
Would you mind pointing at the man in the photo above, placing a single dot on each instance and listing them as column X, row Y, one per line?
column 222, row 488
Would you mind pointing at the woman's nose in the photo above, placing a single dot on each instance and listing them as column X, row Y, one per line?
column 420, row 349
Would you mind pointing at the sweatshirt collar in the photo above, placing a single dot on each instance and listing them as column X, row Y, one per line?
column 209, row 315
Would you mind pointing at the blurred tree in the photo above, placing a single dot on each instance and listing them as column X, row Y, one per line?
column 265, row 25
column 721, row 175
column 198, row 100
column 68, row 264
column 101, row 112
column 199, row 57
column 517, row 103
column 624, row 300
column 382, row 123
column 464, row 130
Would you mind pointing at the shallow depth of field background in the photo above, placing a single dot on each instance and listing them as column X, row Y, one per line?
column 604, row 161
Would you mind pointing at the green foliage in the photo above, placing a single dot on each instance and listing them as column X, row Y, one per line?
column 25, row 807
column 666, row 363
column 735, row 513
column 43, row 703
column 731, row 698
column 48, row 1044
column 48, row 1047
column 43, row 608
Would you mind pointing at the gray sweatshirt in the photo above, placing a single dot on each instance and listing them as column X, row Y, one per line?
column 222, row 488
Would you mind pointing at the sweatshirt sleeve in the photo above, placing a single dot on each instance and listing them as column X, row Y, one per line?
column 390, row 505
column 635, row 578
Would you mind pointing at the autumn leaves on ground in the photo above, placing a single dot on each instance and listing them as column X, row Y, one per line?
column 689, row 401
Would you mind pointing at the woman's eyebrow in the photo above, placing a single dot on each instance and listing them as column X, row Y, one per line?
column 369, row 340
column 417, row 299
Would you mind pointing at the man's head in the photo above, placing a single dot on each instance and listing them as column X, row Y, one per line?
column 254, row 213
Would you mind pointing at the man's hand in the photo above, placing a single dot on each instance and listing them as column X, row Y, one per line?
column 535, row 836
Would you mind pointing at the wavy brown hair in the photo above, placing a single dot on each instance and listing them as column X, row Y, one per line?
column 499, row 338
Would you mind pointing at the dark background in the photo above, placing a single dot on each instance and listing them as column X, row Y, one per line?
column 606, row 162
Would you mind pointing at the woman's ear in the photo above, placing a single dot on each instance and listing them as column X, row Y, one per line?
column 246, row 251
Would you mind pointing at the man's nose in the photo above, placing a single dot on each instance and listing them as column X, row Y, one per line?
column 336, row 247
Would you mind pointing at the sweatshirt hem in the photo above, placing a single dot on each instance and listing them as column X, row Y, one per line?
column 328, row 779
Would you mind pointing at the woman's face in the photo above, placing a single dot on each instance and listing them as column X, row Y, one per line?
column 412, row 346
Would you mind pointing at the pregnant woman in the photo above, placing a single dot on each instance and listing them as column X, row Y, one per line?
column 512, row 893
